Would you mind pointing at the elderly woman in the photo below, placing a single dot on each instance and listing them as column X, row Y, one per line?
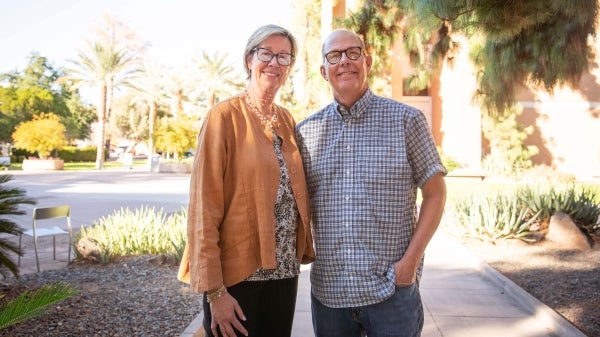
column 248, row 218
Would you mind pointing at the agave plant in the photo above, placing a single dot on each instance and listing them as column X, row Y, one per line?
column 32, row 304
column 10, row 200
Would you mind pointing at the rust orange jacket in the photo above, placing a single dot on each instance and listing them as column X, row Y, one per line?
column 233, row 187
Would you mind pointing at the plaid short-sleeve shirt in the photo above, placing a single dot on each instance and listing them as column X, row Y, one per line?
column 363, row 169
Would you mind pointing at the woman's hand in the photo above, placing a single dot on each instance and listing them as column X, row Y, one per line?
column 226, row 314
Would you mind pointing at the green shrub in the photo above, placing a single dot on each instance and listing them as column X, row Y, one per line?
column 176, row 136
column 581, row 202
column 43, row 134
column 449, row 163
column 501, row 216
column 509, row 155
column 513, row 213
column 18, row 155
column 73, row 154
column 140, row 232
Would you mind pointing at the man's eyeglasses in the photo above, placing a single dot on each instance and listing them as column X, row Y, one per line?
column 335, row 56
column 265, row 55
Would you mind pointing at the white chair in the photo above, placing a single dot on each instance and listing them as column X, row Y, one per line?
column 35, row 232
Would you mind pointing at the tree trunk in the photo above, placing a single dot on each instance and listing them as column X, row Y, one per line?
column 151, row 121
column 101, row 126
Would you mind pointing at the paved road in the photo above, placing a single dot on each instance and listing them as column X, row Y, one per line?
column 95, row 194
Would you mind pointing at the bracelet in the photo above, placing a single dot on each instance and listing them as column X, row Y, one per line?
column 215, row 295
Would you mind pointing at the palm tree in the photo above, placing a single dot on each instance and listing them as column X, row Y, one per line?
column 217, row 78
column 540, row 44
column 150, row 91
column 10, row 199
column 111, row 62
column 179, row 85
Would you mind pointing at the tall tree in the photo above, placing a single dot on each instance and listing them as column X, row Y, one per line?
column 540, row 43
column 217, row 77
column 129, row 120
column 178, row 85
column 35, row 90
column 307, row 28
column 111, row 61
column 150, row 91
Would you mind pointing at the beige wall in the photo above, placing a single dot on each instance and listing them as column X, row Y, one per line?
column 567, row 130
column 460, row 118
column 566, row 123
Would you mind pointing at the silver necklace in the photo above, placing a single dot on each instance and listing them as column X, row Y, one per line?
column 270, row 122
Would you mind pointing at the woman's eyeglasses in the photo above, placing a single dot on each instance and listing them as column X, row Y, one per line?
column 335, row 56
column 265, row 55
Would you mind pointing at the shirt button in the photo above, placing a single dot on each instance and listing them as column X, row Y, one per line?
column 347, row 172
column 348, row 147
column 347, row 198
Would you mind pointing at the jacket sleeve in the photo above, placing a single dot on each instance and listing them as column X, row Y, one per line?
column 206, row 205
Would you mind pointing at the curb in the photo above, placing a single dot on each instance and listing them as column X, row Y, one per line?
column 539, row 310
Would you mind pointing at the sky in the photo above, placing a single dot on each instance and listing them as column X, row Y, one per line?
column 177, row 30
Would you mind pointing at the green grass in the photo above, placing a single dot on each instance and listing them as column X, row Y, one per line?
column 82, row 166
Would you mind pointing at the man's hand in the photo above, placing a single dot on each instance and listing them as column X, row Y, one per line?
column 405, row 272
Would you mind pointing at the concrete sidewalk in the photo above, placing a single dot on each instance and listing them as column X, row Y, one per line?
column 463, row 297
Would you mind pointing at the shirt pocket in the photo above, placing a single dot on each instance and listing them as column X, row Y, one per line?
column 383, row 170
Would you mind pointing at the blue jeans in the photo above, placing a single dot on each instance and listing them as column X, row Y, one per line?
column 399, row 316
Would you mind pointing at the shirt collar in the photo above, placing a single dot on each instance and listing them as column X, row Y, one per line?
column 357, row 109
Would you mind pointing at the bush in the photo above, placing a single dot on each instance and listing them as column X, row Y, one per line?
column 73, row 154
column 140, row 232
column 501, row 216
column 517, row 213
column 43, row 134
column 18, row 155
column 509, row 155
column 581, row 202
column 176, row 136
column 449, row 163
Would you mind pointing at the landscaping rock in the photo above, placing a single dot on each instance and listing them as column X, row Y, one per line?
column 563, row 231
column 89, row 250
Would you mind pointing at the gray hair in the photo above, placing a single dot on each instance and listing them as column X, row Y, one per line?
column 261, row 34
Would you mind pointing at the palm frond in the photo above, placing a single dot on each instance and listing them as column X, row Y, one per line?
column 10, row 200
column 32, row 304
